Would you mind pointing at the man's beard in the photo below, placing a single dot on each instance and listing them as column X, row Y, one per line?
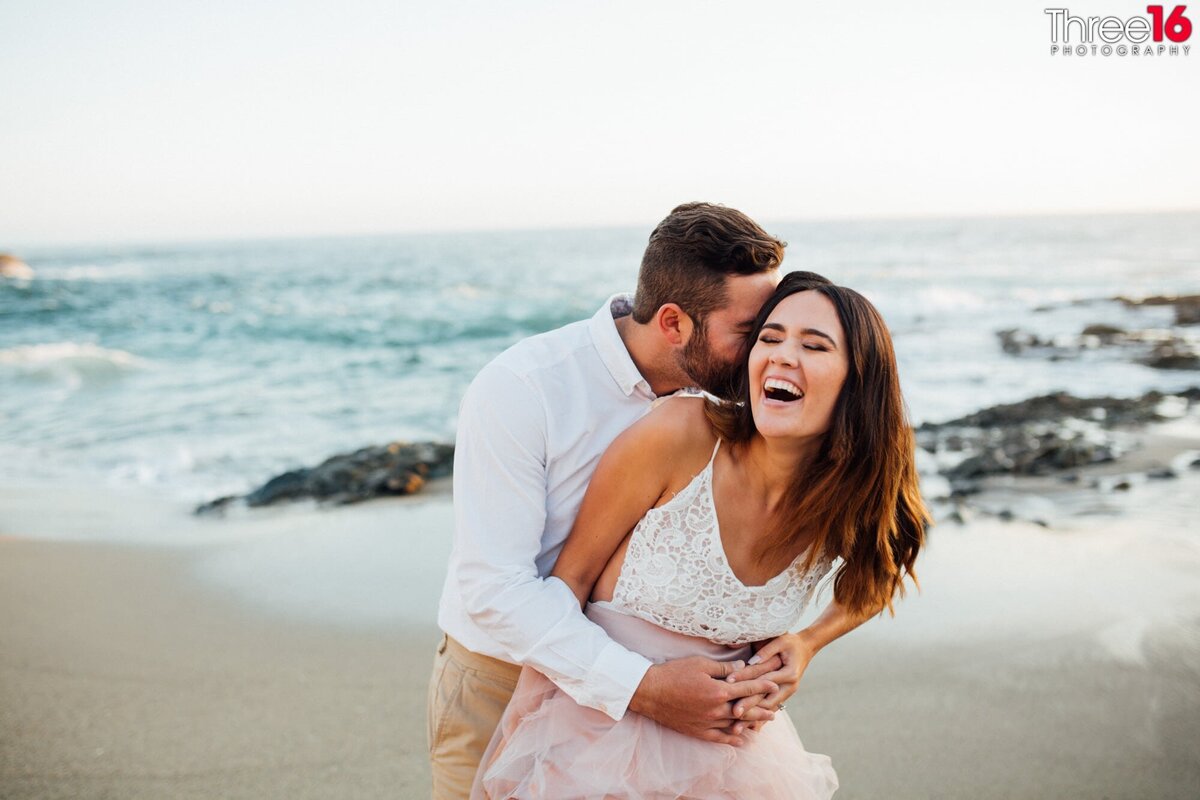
column 705, row 369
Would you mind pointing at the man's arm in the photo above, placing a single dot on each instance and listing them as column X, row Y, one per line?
column 500, row 514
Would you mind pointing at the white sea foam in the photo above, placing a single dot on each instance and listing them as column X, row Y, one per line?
column 74, row 364
column 124, row 270
column 69, row 352
column 945, row 298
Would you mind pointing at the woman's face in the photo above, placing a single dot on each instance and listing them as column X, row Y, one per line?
column 797, row 367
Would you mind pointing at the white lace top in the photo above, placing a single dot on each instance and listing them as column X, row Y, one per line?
column 676, row 575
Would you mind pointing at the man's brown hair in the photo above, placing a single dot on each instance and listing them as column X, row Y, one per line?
column 691, row 252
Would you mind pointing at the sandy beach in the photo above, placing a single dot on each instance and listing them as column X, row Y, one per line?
column 284, row 653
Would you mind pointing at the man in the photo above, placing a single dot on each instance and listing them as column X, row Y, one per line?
column 532, row 426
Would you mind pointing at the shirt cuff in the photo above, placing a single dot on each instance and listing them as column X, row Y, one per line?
column 612, row 681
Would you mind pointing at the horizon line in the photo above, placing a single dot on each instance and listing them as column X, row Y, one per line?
column 45, row 244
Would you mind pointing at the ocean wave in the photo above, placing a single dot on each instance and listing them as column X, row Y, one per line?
column 75, row 363
column 94, row 272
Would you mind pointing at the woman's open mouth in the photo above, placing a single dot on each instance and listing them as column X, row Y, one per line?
column 781, row 390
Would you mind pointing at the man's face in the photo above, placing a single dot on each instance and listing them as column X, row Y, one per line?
column 711, row 357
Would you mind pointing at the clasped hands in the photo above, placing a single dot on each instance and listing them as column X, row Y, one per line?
column 719, row 701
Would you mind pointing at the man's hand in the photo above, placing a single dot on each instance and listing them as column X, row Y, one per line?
column 692, row 696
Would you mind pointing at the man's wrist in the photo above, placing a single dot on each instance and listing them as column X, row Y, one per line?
column 642, row 700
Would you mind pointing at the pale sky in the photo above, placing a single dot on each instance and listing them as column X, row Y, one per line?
column 138, row 121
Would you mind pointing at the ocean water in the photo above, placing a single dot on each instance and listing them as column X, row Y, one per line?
column 203, row 369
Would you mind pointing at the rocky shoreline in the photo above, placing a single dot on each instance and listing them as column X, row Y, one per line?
column 1175, row 347
column 1051, row 435
column 1045, row 446
column 1058, row 434
column 398, row 468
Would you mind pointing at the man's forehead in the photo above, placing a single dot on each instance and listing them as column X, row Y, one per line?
column 743, row 291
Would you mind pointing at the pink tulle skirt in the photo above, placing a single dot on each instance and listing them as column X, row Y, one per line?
column 548, row 746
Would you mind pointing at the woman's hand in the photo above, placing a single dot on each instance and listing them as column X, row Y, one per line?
column 785, row 657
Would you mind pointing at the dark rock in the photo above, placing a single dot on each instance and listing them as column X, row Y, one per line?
column 1172, row 355
column 961, row 487
column 1058, row 407
column 1155, row 348
column 1122, row 486
column 394, row 469
column 1187, row 306
column 288, row 486
column 1007, row 515
column 218, row 505
column 1043, row 435
column 1016, row 341
column 1161, row 474
column 1103, row 331
column 1188, row 313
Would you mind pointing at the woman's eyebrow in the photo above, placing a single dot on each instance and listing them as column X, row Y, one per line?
column 775, row 326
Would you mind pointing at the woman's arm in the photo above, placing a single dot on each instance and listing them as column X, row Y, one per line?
column 632, row 476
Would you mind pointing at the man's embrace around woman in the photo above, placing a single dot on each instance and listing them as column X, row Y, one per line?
column 704, row 530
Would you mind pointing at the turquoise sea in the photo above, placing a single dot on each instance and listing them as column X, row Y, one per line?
column 201, row 369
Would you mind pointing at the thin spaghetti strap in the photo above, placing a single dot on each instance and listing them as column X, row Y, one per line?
column 715, row 449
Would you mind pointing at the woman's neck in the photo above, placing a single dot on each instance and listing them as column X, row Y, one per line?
column 773, row 463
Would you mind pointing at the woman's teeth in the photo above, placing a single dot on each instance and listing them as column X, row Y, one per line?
column 777, row 389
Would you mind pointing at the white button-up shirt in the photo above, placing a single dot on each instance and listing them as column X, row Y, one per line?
column 532, row 427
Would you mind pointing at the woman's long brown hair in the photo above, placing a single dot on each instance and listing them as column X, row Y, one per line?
column 859, row 497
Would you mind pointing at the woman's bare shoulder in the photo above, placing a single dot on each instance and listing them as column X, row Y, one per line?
column 677, row 429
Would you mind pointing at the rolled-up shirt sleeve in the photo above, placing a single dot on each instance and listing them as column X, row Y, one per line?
column 500, row 474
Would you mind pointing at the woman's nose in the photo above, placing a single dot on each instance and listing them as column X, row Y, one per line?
column 784, row 356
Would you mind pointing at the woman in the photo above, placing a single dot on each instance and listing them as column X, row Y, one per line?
column 705, row 529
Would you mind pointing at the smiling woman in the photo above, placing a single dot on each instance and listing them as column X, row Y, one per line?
column 854, row 493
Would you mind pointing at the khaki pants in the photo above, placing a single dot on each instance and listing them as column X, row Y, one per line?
column 467, row 696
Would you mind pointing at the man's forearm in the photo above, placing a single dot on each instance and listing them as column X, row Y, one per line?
column 539, row 624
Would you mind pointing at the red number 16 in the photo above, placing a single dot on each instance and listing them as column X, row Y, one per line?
column 1178, row 27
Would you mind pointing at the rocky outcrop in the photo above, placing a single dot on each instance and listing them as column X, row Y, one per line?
column 1174, row 347
column 1186, row 306
column 394, row 469
column 1160, row 349
column 1041, row 435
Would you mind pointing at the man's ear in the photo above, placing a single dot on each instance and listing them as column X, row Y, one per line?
column 674, row 324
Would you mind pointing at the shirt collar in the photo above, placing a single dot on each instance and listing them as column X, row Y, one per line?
column 612, row 350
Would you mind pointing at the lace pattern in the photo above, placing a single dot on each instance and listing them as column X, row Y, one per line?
column 676, row 575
